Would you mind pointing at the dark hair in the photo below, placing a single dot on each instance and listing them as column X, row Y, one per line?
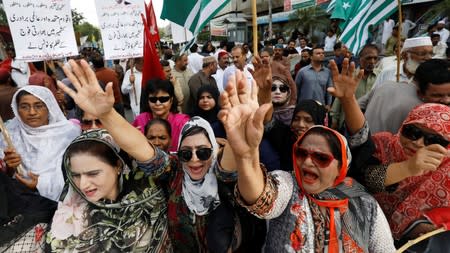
column 24, row 93
column 223, row 43
column 97, row 61
column 434, row 71
column 332, row 140
column 193, row 48
column 193, row 131
column 95, row 148
column 367, row 47
column 435, row 35
column 312, row 50
column 337, row 46
column 153, row 86
column 178, row 57
column 268, row 50
column 210, row 115
column 313, row 108
column 165, row 63
column 162, row 122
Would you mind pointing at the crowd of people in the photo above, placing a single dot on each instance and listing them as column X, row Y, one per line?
column 233, row 151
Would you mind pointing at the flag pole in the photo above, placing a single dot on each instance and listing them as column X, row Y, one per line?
column 399, row 40
column 8, row 140
column 255, row 28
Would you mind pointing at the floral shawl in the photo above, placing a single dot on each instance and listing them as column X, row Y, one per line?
column 136, row 222
column 418, row 194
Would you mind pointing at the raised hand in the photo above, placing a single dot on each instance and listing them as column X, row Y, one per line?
column 241, row 116
column 345, row 83
column 263, row 77
column 89, row 96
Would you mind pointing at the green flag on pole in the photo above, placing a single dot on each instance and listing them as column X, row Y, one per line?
column 192, row 14
column 349, row 9
column 356, row 30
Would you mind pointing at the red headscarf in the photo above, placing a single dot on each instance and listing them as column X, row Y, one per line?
column 419, row 194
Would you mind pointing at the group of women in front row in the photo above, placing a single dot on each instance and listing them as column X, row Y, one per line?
column 127, row 195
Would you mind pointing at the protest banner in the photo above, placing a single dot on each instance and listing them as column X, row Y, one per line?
column 121, row 28
column 41, row 29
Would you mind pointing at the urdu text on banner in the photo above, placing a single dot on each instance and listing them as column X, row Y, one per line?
column 41, row 29
column 121, row 28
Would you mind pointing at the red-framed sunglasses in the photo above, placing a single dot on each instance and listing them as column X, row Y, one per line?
column 319, row 158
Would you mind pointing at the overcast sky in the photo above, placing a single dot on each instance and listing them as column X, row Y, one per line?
column 87, row 8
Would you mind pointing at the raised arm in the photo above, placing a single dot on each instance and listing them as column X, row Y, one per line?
column 345, row 85
column 90, row 97
column 243, row 121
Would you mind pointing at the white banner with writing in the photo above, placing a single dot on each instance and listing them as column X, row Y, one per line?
column 121, row 27
column 41, row 29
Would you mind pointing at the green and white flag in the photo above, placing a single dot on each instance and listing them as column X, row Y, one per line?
column 331, row 6
column 356, row 31
column 192, row 14
column 347, row 10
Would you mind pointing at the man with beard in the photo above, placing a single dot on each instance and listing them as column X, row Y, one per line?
column 183, row 74
column 240, row 63
column 390, row 104
column 278, row 56
column 414, row 52
column 203, row 77
column 305, row 60
column 223, row 62
column 443, row 32
column 368, row 57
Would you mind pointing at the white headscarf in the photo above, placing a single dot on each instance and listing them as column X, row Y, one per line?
column 41, row 148
column 201, row 196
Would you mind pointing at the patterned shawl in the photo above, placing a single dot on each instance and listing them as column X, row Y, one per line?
column 418, row 194
column 344, row 203
column 136, row 222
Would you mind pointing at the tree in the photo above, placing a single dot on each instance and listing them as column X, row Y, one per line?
column 87, row 29
column 309, row 20
column 77, row 17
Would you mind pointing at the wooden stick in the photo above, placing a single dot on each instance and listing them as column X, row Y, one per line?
column 132, row 85
column 255, row 28
column 399, row 40
column 419, row 239
column 10, row 144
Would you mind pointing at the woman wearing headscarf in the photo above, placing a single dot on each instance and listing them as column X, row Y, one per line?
column 108, row 208
column 40, row 133
column 408, row 171
column 191, row 180
column 207, row 104
column 314, row 209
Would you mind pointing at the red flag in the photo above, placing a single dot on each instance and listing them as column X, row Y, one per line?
column 152, row 66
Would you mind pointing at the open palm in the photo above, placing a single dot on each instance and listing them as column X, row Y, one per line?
column 88, row 94
column 344, row 83
column 241, row 116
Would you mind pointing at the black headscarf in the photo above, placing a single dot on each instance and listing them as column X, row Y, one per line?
column 210, row 115
column 313, row 108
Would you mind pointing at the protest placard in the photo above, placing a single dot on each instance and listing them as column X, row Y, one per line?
column 41, row 29
column 121, row 28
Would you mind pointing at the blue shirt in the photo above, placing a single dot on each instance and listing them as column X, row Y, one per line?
column 313, row 84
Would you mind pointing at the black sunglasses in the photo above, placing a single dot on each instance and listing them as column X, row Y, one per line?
column 202, row 154
column 90, row 121
column 414, row 133
column 160, row 99
column 282, row 88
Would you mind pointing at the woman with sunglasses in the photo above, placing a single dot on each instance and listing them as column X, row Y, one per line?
column 200, row 211
column 409, row 171
column 316, row 208
column 159, row 101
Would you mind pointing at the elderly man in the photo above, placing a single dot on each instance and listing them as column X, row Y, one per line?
column 368, row 57
column 223, row 60
column 414, row 52
column 443, row 32
column 203, row 77
column 183, row 74
column 390, row 104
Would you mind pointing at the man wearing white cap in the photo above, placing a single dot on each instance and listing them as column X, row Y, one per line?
column 414, row 52
column 442, row 31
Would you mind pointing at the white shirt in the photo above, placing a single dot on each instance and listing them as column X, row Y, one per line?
column 195, row 62
column 299, row 49
column 20, row 77
column 390, row 74
column 439, row 51
column 219, row 78
column 407, row 26
column 231, row 70
column 444, row 34
column 387, row 30
column 127, row 88
column 329, row 43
